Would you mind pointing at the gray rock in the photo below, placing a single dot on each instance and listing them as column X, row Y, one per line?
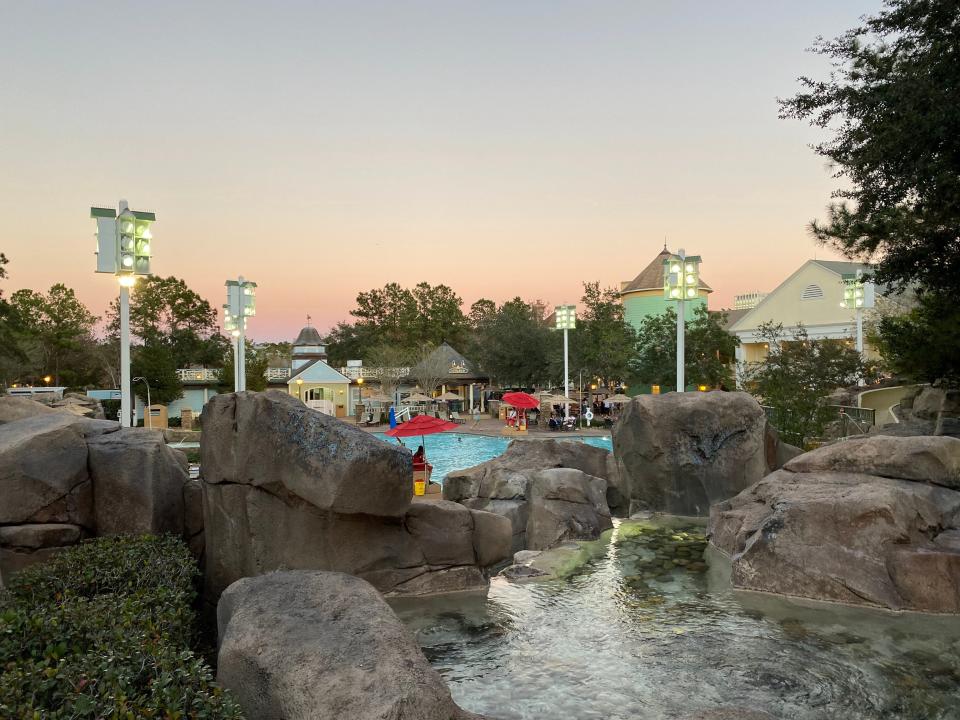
column 319, row 645
column 137, row 483
column 43, row 471
column 502, row 486
column 521, row 572
column 20, row 408
column 922, row 459
column 523, row 557
column 682, row 452
column 565, row 504
column 274, row 441
column 816, row 530
column 326, row 496
column 33, row 537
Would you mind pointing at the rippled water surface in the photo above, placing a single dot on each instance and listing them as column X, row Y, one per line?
column 455, row 451
column 643, row 631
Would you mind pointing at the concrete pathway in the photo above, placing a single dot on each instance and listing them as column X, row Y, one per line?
column 882, row 399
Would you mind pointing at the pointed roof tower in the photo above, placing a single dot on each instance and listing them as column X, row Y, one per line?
column 651, row 277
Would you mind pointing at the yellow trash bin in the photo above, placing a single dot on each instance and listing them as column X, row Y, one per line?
column 420, row 479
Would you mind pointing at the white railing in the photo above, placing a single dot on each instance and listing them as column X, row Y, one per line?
column 278, row 373
column 324, row 406
column 371, row 372
column 198, row 375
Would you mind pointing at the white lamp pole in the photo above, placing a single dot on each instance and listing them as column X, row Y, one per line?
column 124, row 249
column 241, row 304
column 565, row 317
column 858, row 295
column 146, row 414
column 681, row 282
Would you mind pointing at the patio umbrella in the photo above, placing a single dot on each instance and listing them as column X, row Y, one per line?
column 619, row 399
column 449, row 397
column 417, row 398
column 379, row 398
column 421, row 425
column 521, row 400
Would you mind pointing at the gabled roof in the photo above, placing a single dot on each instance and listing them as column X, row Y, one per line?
column 651, row 277
column 841, row 267
column 318, row 371
column 447, row 357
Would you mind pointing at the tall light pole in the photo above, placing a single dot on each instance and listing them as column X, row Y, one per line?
column 858, row 295
column 124, row 249
column 241, row 304
column 566, row 320
column 681, row 282
column 146, row 414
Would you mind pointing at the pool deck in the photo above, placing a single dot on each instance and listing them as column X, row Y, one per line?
column 490, row 427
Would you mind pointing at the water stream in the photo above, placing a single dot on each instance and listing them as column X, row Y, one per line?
column 644, row 630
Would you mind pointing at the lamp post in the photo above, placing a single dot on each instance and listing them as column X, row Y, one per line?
column 360, row 390
column 146, row 413
column 858, row 295
column 124, row 249
column 566, row 320
column 681, row 282
column 241, row 304
column 300, row 389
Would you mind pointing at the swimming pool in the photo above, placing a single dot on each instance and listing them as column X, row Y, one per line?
column 456, row 451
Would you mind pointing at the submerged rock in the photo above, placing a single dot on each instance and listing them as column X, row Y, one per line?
column 681, row 452
column 870, row 521
column 323, row 645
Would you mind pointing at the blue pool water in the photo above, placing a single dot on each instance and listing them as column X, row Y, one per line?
column 453, row 451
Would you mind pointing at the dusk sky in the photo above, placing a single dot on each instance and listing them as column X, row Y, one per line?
column 320, row 149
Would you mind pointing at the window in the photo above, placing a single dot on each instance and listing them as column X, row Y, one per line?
column 812, row 292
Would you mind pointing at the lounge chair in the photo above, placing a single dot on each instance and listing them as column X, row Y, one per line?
column 455, row 417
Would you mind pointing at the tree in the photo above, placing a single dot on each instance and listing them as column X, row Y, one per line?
column 256, row 360
column 167, row 311
column 924, row 343
column 708, row 350
column 429, row 369
column 796, row 376
column 513, row 345
column 889, row 106
column 54, row 329
column 391, row 363
column 603, row 342
column 154, row 362
column 11, row 355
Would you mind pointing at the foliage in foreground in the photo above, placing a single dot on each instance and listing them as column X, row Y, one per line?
column 796, row 376
column 924, row 343
column 104, row 631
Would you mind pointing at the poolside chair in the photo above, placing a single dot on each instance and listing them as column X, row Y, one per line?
column 455, row 417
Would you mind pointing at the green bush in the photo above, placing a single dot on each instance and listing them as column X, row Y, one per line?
column 104, row 630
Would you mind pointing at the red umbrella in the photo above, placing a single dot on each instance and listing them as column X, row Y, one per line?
column 521, row 400
column 421, row 425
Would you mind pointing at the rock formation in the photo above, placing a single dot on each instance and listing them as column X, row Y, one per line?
column 871, row 521
column 550, row 490
column 64, row 477
column 681, row 452
column 288, row 487
column 323, row 645
column 931, row 411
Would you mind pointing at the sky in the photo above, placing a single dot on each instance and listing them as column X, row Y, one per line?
column 504, row 148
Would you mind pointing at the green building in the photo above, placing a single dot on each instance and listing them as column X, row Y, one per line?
column 643, row 296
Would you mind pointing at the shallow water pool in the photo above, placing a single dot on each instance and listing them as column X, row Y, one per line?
column 645, row 631
column 456, row 451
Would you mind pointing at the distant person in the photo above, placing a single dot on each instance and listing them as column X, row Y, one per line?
column 419, row 456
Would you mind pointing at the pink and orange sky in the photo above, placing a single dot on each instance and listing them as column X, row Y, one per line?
column 502, row 148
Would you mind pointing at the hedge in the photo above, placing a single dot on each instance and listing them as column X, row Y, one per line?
column 104, row 630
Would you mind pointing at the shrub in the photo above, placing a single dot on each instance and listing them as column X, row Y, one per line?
column 104, row 631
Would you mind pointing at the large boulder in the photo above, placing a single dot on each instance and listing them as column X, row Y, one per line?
column 871, row 521
column 569, row 505
column 323, row 645
column 565, row 504
column 138, row 483
column 14, row 408
column 681, row 452
column 287, row 487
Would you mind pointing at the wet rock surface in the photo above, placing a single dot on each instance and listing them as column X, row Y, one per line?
column 869, row 521
column 681, row 452
column 287, row 487
column 312, row 645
